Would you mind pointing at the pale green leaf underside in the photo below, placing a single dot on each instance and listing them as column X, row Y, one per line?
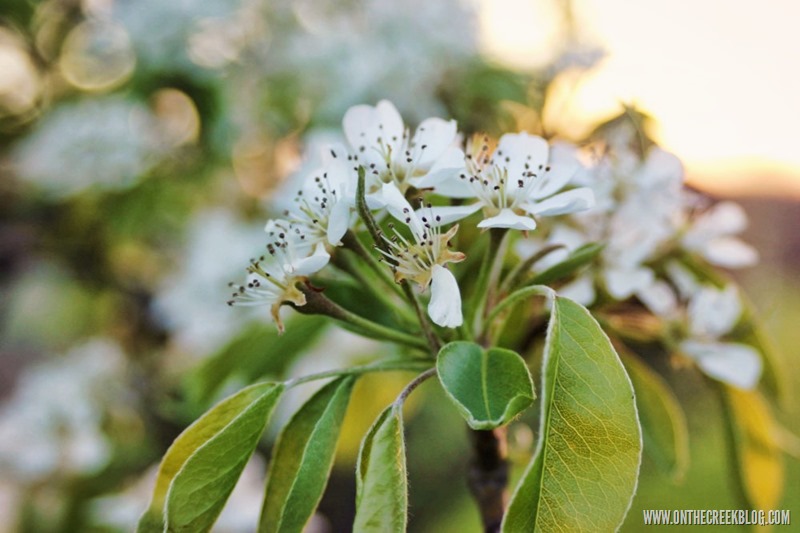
column 302, row 459
column 666, row 436
column 381, row 492
column 202, row 466
column 489, row 387
column 584, row 473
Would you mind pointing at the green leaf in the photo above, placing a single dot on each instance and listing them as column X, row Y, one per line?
column 381, row 492
column 750, row 331
column 759, row 463
column 200, row 469
column 578, row 258
column 584, row 473
column 489, row 387
column 258, row 351
column 664, row 430
column 303, row 457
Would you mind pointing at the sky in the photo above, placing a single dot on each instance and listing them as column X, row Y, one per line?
column 721, row 77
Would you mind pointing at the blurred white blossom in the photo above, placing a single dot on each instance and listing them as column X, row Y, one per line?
column 240, row 515
column 191, row 300
column 713, row 313
column 346, row 53
column 105, row 143
column 52, row 424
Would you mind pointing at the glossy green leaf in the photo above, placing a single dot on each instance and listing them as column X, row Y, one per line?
column 303, row 457
column 489, row 387
column 664, row 430
column 578, row 258
column 381, row 491
column 200, row 469
column 584, row 473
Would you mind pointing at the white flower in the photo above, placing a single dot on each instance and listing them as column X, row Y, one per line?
column 711, row 235
column 512, row 184
column 273, row 278
column 421, row 259
column 322, row 209
column 713, row 313
column 380, row 142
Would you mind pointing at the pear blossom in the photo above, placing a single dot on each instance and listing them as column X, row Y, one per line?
column 272, row 279
column 711, row 235
column 512, row 184
column 422, row 258
column 712, row 313
column 322, row 208
column 380, row 142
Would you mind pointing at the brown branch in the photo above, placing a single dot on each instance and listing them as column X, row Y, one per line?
column 488, row 476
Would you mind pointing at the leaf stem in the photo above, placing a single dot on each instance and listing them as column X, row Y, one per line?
column 385, row 366
column 319, row 304
column 345, row 263
column 352, row 242
column 517, row 296
column 490, row 267
column 398, row 403
column 374, row 230
column 522, row 268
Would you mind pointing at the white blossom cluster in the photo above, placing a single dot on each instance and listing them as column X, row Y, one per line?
column 512, row 185
column 636, row 206
column 104, row 144
column 646, row 220
column 344, row 53
column 53, row 423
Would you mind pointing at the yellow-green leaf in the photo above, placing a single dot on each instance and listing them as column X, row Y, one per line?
column 381, row 492
column 489, row 387
column 760, row 459
column 201, row 467
column 664, row 430
column 584, row 473
column 302, row 459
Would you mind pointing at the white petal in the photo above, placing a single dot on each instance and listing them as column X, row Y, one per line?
column 659, row 298
column 334, row 152
column 313, row 263
column 732, row 363
column 447, row 166
column 508, row 219
column 623, row 282
column 367, row 127
column 399, row 208
column 566, row 202
column 450, row 213
column 581, row 290
column 724, row 218
column 338, row 222
column 661, row 169
column 431, row 140
column 730, row 252
column 515, row 150
column 549, row 182
column 713, row 312
column 445, row 305
column 683, row 279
